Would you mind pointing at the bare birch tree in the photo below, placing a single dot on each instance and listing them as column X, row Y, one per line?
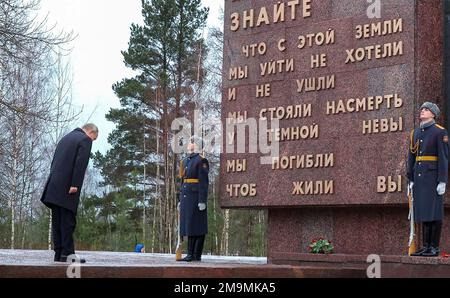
column 34, row 104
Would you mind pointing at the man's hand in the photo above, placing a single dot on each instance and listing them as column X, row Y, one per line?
column 73, row 190
column 201, row 206
column 441, row 188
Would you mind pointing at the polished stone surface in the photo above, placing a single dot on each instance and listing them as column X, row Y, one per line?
column 355, row 217
column 362, row 230
column 390, row 266
column 416, row 76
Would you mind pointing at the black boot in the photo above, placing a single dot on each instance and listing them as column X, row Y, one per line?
column 72, row 259
column 57, row 257
column 198, row 250
column 426, row 232
column 191, row 246
column 435, row 239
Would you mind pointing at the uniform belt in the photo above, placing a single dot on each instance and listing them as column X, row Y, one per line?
column 191, row 181
column 426, row 158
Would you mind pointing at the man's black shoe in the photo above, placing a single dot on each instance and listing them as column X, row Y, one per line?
column 197, row 259
column 77, row 260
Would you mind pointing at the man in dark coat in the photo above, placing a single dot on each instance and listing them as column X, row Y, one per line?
column 192, row 200
column 62, row 190
column 428, row 175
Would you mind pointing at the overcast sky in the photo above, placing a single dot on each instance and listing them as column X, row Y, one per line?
column 103, row 30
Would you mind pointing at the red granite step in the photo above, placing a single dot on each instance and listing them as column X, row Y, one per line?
column 38, row 264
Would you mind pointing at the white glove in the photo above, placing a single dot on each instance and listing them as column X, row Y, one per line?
column 441, row 188
column 201, row 206
column 178, row 206
column 411, row 184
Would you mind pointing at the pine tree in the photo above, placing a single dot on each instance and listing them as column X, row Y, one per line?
column 164, row 52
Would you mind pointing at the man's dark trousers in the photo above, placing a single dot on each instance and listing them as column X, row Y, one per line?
column 63, row 227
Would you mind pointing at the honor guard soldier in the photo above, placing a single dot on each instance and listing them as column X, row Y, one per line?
column 428, row 174
column 193, row 199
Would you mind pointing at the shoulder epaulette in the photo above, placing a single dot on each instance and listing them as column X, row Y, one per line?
column 438, row 126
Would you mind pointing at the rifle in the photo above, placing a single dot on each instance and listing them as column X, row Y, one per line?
column 179, row 249
column 412, row 230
